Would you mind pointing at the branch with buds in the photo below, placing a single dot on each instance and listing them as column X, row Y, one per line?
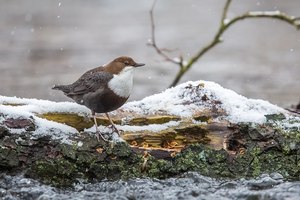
column 225, row 23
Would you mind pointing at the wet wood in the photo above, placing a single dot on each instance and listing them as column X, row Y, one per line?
column 199, row 129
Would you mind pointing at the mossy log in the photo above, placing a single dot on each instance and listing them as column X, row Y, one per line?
column 214, row 149
column 202, row 142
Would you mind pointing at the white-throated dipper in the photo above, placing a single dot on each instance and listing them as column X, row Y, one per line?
column 103, row 89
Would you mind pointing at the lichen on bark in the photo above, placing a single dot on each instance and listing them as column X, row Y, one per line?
column 204, row 141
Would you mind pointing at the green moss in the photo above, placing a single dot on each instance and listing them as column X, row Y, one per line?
column 119, row 162
column 255, row 149
column 157, row 168
column 68, row 151
column 185, row 161
column 83, row 157
column 58, row 172
column 120, row 149
column 199, row 158
column 115, row 169
column 256, row 167
column 8, row 158
column 275, row 117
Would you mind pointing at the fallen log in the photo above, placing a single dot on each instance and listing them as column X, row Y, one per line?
column 197, row 126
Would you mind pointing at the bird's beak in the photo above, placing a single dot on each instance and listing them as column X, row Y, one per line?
column 138, row 64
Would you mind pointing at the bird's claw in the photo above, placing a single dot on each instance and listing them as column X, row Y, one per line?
column 98, row 135
column 114, row 128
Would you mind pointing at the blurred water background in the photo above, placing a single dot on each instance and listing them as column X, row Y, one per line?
column 43, row 43
column 54, row 41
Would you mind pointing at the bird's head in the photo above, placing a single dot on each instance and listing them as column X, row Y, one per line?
column 123, row 64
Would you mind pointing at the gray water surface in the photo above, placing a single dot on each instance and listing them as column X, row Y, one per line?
column 189, row 186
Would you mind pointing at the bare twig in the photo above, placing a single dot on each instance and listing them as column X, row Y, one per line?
column 160, row 51
column 193, row 59
column 225, row 11
column 224, row 25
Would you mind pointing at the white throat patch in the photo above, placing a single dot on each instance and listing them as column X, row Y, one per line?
column 121, row 84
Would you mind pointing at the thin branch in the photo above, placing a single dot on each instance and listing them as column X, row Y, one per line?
column 216, row 40
column 153, row 42
column 224, row 25
column 294, row 21
column 152, row 23
column 225, row 11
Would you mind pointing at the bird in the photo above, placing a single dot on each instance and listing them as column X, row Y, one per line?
column 103, row 89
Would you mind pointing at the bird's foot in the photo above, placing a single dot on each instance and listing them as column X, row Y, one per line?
column 99, row 135
column 108, row 131
column 114, row 128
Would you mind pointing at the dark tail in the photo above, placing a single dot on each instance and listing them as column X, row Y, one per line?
column 64, row 88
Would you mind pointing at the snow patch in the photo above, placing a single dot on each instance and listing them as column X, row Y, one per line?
column 183, row 100
column 151, row 127
column 54, row 129
column 44, row 106
column 29, row 108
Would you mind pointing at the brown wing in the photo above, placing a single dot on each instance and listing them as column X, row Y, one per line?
column 90, row 81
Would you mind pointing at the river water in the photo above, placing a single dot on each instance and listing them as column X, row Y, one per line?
column 50, row 42
column 43, row 43
column 189, row 186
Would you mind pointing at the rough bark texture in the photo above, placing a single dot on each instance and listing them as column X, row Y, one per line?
column 214, row 149
column 204, row 142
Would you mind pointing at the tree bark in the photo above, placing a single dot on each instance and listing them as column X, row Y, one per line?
column 200, row 143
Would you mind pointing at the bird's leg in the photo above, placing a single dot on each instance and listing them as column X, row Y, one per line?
column 98, row 133
column 112, row 124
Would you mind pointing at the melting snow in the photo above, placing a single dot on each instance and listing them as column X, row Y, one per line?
column 150, row 127
column 44, row 106
column 30, row 107
column 187, row 98
column 183, row 100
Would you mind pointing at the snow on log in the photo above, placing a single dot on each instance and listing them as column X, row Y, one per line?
column 195, row 126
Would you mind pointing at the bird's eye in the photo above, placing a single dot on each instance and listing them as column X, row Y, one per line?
column 126, row 63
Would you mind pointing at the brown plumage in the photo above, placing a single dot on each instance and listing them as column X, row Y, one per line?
column 103, row 89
